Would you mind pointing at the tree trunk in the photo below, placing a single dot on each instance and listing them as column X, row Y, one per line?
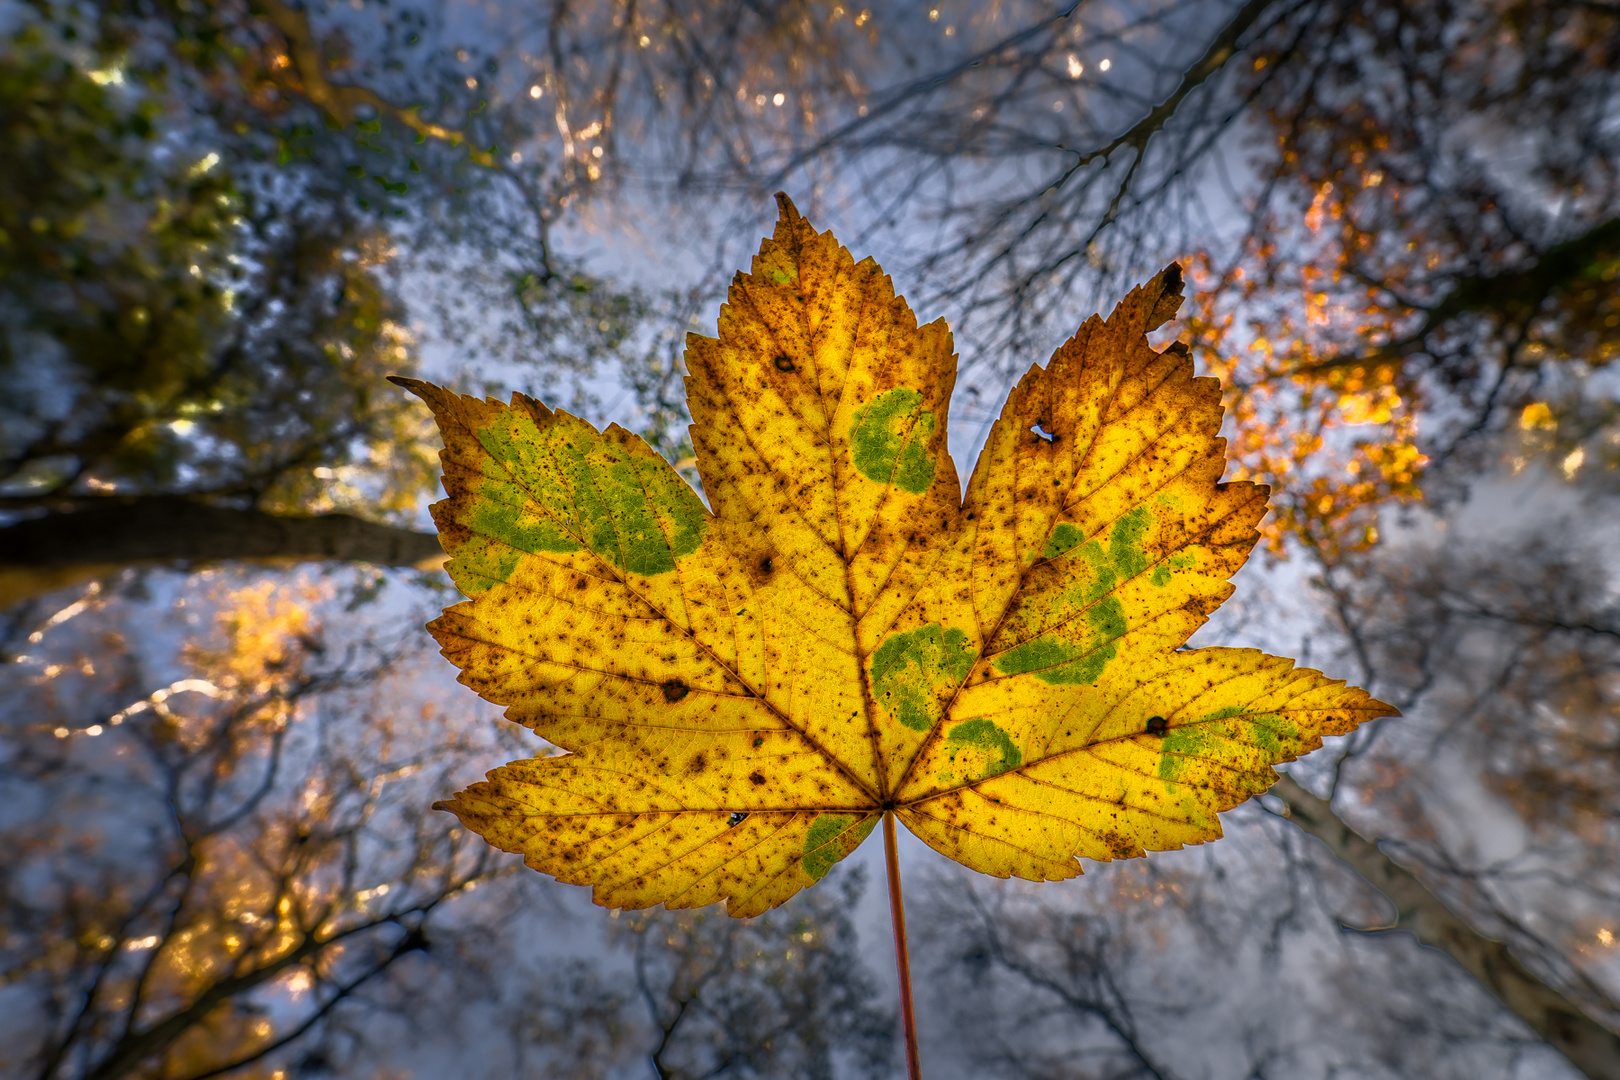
column 41, row 554
column 1562, row 1024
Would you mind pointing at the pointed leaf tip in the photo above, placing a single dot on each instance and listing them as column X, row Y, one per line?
column 785, row 208
column 1165, row 291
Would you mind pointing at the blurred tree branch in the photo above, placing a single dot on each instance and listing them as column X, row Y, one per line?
column 1501, row 649
column 1510, row 295
column 1588, row 1045
column 40, row 554
column 343, row 101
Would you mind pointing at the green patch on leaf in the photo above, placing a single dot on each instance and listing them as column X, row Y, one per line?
column 639, row 517
column 1273, row 734
column 1178, row 747
column 1102, row 574
column 890, row 440
column 1190, row 741
column 909, row 669
column 1125, row 543
column 972, row 738
column 1055, row 660
column 480, row 564
column 636, row 517
column 1161, row 573
column 829, row 840
column 1056, row 656
column 1062, row 540
column 1123, row 557
column 1107, row 619
column 502, row 513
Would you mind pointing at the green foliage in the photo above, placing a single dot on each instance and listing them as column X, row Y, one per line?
column 105, row 260
column 201, row 259
column 177, row 314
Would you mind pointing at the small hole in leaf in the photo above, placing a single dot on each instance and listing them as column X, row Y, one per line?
column 784, row 364
column 737, row 818
column 1157, row 725
column 1040, row 429
column 766, row 566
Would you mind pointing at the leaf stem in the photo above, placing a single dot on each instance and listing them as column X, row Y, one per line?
column 902, row 959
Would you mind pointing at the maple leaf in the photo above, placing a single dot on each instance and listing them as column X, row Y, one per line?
column 741, row 690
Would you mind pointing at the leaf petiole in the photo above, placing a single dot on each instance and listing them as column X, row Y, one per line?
column 902, row 959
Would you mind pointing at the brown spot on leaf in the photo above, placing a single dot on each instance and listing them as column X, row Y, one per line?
column 673, row 690
column 784, row 364
column 756, row 778
column 1157, row 725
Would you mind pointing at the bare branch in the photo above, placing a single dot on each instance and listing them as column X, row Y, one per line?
column 1588, row 1045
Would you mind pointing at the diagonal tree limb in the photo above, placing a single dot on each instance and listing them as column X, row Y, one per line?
column 1511, row 294
column 1561, row 1023
column 1221, row 49
column 341, row 100
column 341, row 994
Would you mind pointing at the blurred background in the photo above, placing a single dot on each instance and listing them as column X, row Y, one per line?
column 222, row 224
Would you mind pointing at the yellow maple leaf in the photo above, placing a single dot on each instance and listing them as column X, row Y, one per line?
column 743, row 689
